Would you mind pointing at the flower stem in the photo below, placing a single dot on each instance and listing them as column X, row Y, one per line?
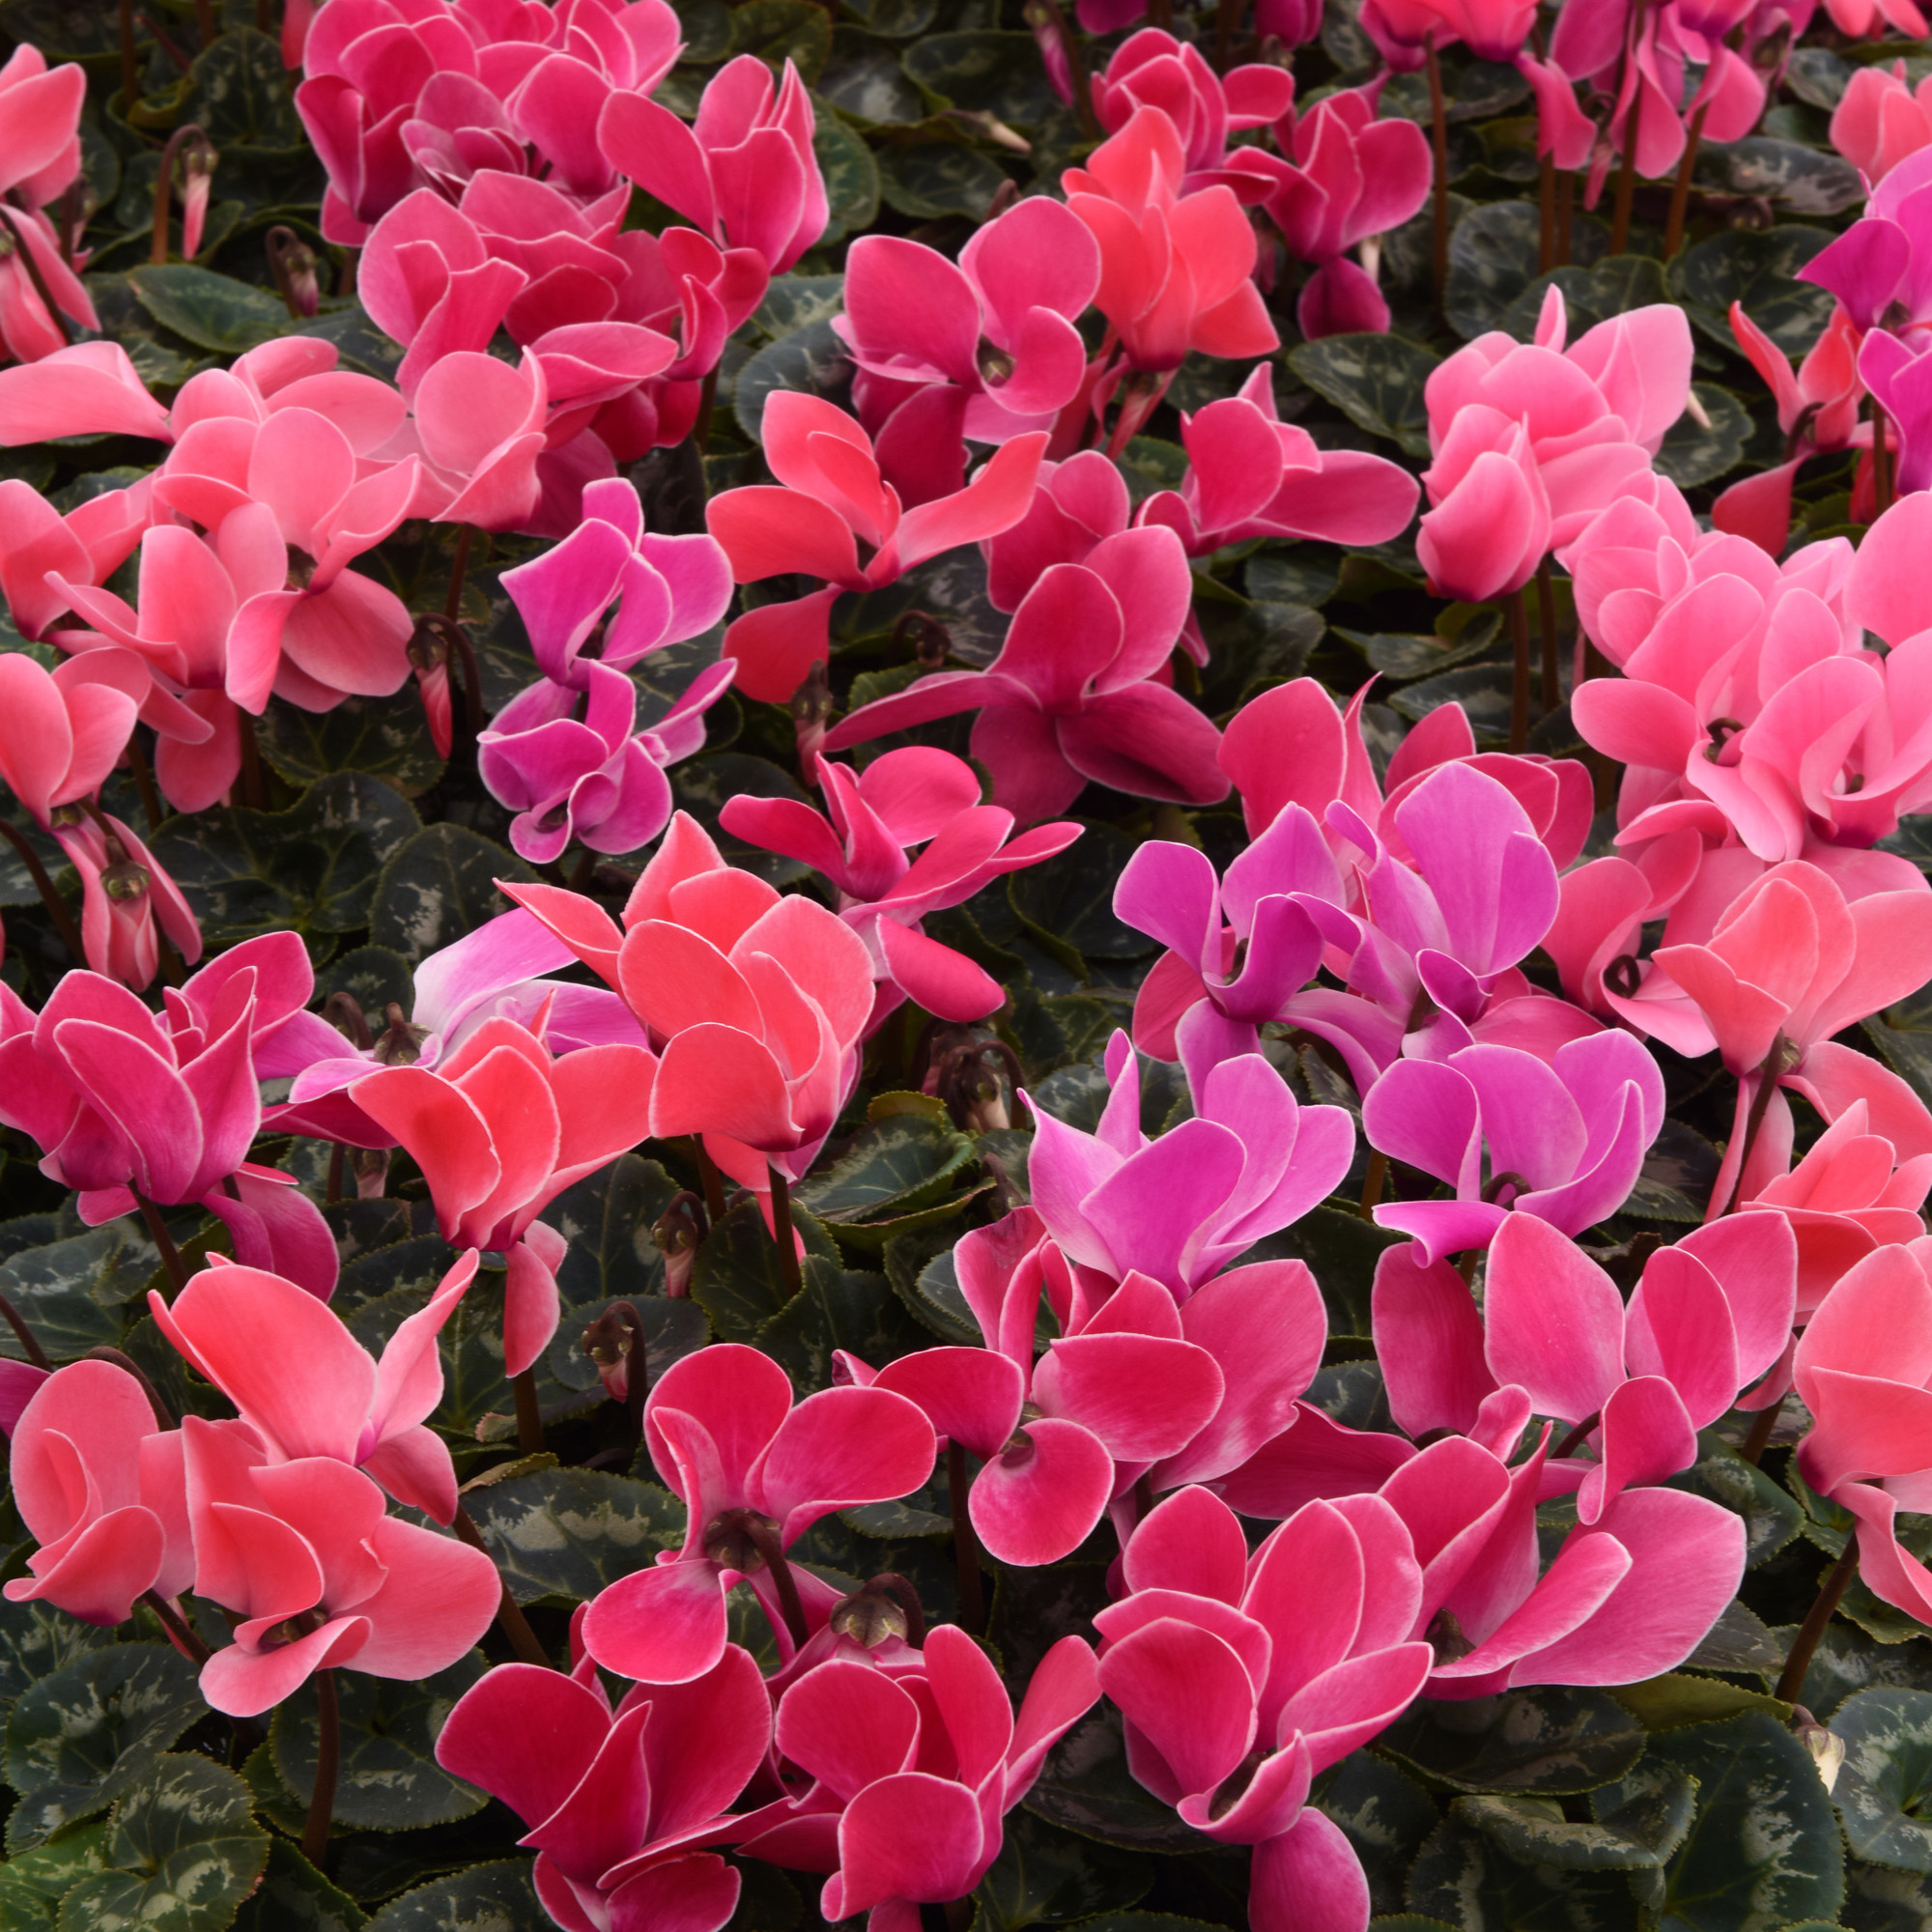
column 452, row 603
column 164, row 1417
column 164, row 184
column 1680, row 188
column 965, row 1545
column 510, row 1618
column 709, row 1179
column 1777, row 1062
column 782, row 1237
column 158, row 1233
column 1837, row 1582
column 1519, row 623
column 1880, row 463
column 1545, row 216
column 1764, row 1425
column 181, row 1633
column 1620, row 215
column 1439, row 136
column 1372, row 1184
column 63, row 920
column 29, row 1341
column 130, row 74
column 529, row 1413
column 1545, row 611
column 327, row 1759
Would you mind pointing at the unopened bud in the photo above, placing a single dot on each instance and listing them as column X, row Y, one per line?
column 679, row 1232
column 1825, row 1747
column 929, row 640
column 343, row 1010
column 606, row 1340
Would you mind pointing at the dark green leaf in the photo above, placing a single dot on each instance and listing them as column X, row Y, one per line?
column 372, row 976
column 1761, row 1850
column 313, row 866
column 777, row 31
column 1678, row 1698
column 812, row 359
column 1403, row 656
column 1375, row 380
column 33, row 1884
column 1903, row 1037
column 485, row 1898
column 183, row 1849
column 938, row 179
column 1817, row 75
column 1877, row 1899
column 389, row 1780
column 851, row 176
column 736, row 1280
column 1069, row 897
column 1738, row 1640
column 1637, row 1832
column 1492, row 258
column 440, row 887
column 388, row 737
column 1848, row 1660
column 73, row 1295
column 1693, row 454
column 1085, row 1787
column 984, row 73
column 1550, row 1740
column 1757, row 268
column 211, row 311
column 837, row 1308
column 931, row 1291
column 80, row 1737
column 1771, row 1517
column 864, row 78
column 566, row 1533
column 1341, row 1251
column 1886, row 1779
column 1462, row 1877
column 1590, row 295
column 1803, row 179
column 796, row 301
column 36, row 1640
column 1386, row 1816
column 891, row 1168
column 702, row 787
column 363, row 347
column 294, row 1897
column 1046, row 1876
column 1253, row 645
column 243, row 97
column 1483, row 690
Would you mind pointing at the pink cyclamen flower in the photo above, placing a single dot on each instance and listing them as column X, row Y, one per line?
column 90, row 389
column 744, row 171
column 97, row 1482
column 1880, row 119
column 914, row 796
column 1250, row 474
column 499, row 1130
column 1180, row 1208
column 597, row 778
column 913, row 1770
column 984, row 351
column 122, row 1099
column 1151, row 69
column 760, row 1001
column 618, row 1801
column 39, row 155
column 310, row 1540
column 87, row 544
column 830, row 498
column 1564, row 1140
column 1075, row 695
column 1238, row 1691
column 755, row 1472
column 1175, row 267
column 307, row 1387
column 665, row 589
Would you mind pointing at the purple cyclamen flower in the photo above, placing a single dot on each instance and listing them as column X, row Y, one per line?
column 1178, row 1209
column 671, row 588
column 1881, row 266
column 596, row 778
column 1565, row 1139
column 1899, row 372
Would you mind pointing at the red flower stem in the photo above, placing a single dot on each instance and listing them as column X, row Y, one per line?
column 1545, row 216
column 965, row 1545
column 510, row 1618
column 782, row 1236
column 328, row 1760
column 1620, row 216
column 57, row 911
column 1372, row 1184
column 1439, row 140
column 1763, row 1426
column 144, row 783
column 164, row 1417
column 158, row 1233
column 180, row 1633
column 452, row 604
column 530, row 1413
column 164, row 184
column 29, row 1341
column 1837, row 1582
column 1545, row 611
column 709, row 1179
column 204, row 23
column 1680, row 188
column 1778, row 1060
column 1519, row 623
column 130, row 74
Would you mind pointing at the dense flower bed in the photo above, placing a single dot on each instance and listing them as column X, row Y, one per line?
column 965, row 961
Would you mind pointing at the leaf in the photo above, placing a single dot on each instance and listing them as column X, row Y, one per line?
column 895, row 1166
column 1644, row 1821
column 777, row 31
column 73, row 1295
column 796, row 301
column 1674, row 1699
column 1069, row 897
column 1761, row 1851
column 485, row 1898
column 566, row 1533
column 1772, row 1518
column 1803, row 178
column 994, row 73
column 937, row 179
column 211, row 311
column 390, row 1780
column 735, row 1278
column 1757, row 268
column 183, row 1849
column 80, row 1737
column 1048, row 1877
column 1903, row 1037
column 1492, row 257
column 702, row 787
column 932, row 1294
column 1376, row 381
column 1483, row 690
column 1401, row 656
column 811, row 359
column 1253, row 645
column 372, row 976
column 1550, row 1740
column 1693, row 454
column 1881, row 1901
column 1887, row 1776
column 1590, row 295
column 1085, row 1787
column 1386, row 1816
column 851, row 176
column 294, row 1897
column 837, row 1308
column 33, row 1883
column 438, row 887
column 1849, row 1658
column 313, row 866
column 1738, row 1640
column 36, row 1640
column 242, row 96
column 864, row 80
column 1462, row 1877
column 386, row 737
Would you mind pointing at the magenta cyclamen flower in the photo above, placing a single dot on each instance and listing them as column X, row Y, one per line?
column 1074, row 694
column 596, row 778
column 754, row 1473
column 914, row 796
column 1250, row 1162
column 1565, row 1139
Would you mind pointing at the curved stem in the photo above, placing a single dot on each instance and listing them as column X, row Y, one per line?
column 1371, row 1185
column 328, row 1760
column 784, row 1237
column 1763, row 1425
column 1519, row 623
column 1576, row 1437
column 1837, row 1582
column 29, row 1341
column 764, row 1539
column 1438, row 138
column 164, row 186
column 158, row 1233
column 181, row 1633
column 63, row 920
column 1680, row 188
column 530, row 1411
column 1545, row 611
column 965, row 1545
column 510, row 1618
column 164, row 1417
column 1776, row 1063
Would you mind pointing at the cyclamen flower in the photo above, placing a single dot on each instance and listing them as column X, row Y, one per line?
column 40, row 154
column 1073, row 695
column 915, row 796
column 1880, row 119
column 1881, row 266
column 1151, row 69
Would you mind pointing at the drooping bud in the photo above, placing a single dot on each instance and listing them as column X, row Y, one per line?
column 678, row 1233
column 198, row 165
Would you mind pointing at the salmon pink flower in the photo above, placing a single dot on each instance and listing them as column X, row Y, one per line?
column 40, row 154
column 1151, row 69
column 1880, row 119
column 755, row 1472
column 89, row 389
